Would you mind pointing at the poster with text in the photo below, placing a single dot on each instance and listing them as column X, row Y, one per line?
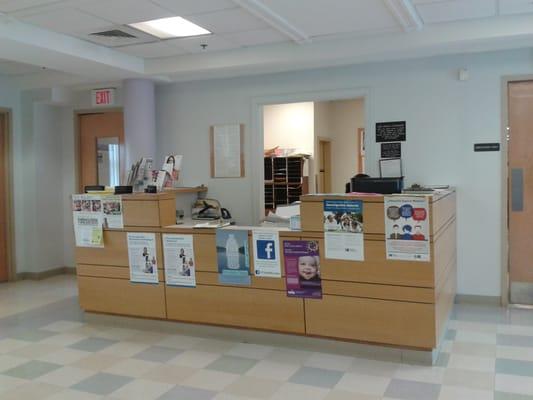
column 142, row 257
column 112, row 209
column 180, row 264
column 87, row 218
column 302, row 268
column 233, row 257
column 407, row 228
column 267, row 262
column 343, row 230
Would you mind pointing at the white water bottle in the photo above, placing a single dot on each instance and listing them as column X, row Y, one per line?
column 232, row 252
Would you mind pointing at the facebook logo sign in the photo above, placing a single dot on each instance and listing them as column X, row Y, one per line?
column 266, row 250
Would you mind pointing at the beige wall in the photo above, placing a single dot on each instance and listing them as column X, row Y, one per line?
column 339, row 121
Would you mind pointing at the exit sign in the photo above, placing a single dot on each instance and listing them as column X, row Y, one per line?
column 103, row 97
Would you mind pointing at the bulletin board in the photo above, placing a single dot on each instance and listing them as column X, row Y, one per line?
column 227, row 154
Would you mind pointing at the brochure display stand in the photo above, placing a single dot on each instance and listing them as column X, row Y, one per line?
column 403, row 303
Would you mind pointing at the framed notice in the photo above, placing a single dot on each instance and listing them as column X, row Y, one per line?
column 394, row 131
column 227, row 156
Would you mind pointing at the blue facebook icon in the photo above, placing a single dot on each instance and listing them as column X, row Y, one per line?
column 266, row 250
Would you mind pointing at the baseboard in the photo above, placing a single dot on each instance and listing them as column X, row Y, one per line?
column 37, row 276
column 475, row 299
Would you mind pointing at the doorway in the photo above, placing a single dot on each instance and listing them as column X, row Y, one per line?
column 324, row 168
column 6, row 267
column 101, row 151
column 520, row 191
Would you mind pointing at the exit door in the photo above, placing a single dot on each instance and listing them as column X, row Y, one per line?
column 520, row 192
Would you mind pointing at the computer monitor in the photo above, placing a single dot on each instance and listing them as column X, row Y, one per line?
column 376, row 185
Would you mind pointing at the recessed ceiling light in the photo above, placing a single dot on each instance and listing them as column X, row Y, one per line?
column 173, row 27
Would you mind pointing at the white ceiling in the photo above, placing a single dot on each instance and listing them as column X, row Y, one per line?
column 266, row 29
column 12, row 69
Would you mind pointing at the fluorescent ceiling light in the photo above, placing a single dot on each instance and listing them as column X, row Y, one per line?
column 173, row 27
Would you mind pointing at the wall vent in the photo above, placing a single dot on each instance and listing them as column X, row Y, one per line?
column 114, row 34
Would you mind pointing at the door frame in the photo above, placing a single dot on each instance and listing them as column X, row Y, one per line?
column 10, row 216
column 255, row 146
column 317, row 170
column 504, row 148
column 77, row 140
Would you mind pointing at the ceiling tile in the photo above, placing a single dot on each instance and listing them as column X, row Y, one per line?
column 508, row 7
column 187, row 7
column 65, row 20
column 152, row 50
column 455, row 10
column 140, row 37
column 225, row 21
column 8, row 6
column 123, row 11
column 193, row 45
column 319, row 18
column 256, row 37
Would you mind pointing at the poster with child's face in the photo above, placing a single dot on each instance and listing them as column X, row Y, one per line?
column 302, row 269
column 407, row 228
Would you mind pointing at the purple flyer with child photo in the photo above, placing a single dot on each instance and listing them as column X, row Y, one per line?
column 302, row 269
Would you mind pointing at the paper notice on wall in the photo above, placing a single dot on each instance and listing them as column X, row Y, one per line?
column 227, row 151
column 233, row 257
column 267, row 257
column 112, row 209
column 142, row 257
column 407, row 228
column 343, row 230
column 302, row 269
column 87, row 218
column 180, row 264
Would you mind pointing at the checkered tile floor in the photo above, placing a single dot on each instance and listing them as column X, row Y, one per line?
column 49, row 352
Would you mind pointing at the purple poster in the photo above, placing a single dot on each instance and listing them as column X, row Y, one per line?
column 302, row 269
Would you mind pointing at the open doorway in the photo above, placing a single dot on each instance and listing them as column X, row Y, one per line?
column 311, row 147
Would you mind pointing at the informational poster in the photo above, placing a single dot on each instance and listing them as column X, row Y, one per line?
column 112, row 209
column 391, row 150
column 394, row 131
column 233, row 257
column 267, row 262
column 180, row 264
column 407, row 228
column 302, row 268
column 343, row 230
column 87, row 218
column 142, row 257
column 226, row 148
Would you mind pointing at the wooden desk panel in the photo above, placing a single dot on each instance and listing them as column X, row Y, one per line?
column 387, row 292
column 231, row 306
column 370, row 320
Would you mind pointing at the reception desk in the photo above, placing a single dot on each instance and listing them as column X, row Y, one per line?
column 395, row 303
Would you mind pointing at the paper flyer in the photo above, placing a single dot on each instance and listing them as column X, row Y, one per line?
column 87, row 217
column 233, row 257
column 343, row 230
column 112, row 209
column 302, row 269
column 142, row 257
column 180, row 264
column 267, row 263
column 407, row 228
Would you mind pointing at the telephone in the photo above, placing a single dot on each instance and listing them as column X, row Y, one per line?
column 209, row 209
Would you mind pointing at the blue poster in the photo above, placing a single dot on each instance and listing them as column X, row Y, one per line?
column 233, row 257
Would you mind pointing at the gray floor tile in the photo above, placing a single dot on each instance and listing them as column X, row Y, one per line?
column 410, row 390
column 158, row 354
column 32, row 369
column 324, row 378
column 514, row 367
column 92, row 344
column 511, row 396
column 231, row 364
column 515, row 340
column 186, row 393
column 451, row 334
column 102, row 383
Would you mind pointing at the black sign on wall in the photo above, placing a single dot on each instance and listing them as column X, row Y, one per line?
column 391, row 150
column 390, row 131
column 486, row 147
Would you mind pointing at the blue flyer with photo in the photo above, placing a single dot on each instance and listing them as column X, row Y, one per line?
column 343, row 229
column 233, row 257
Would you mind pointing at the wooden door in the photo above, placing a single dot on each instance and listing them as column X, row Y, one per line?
column 324, row 180
column 361, row 150
column 91, row 128
column 520, row 192
column 4, row 267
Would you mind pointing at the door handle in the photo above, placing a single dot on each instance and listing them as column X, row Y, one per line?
column 517, row 189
